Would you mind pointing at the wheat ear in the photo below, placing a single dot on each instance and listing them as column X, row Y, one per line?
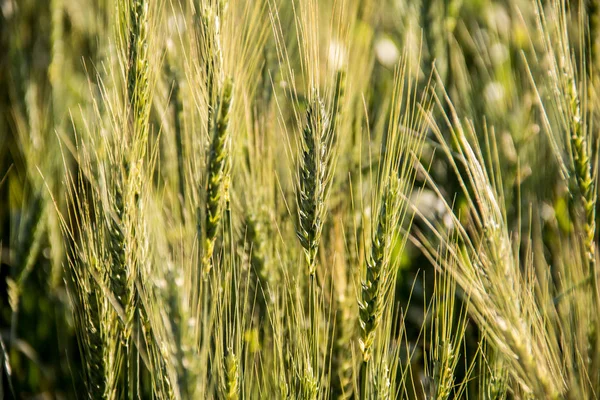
column 232, row 372
column 218, row 159
column 313, row 180
column 374, row 283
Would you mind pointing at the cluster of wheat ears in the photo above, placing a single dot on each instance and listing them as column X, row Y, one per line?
column 239, row 199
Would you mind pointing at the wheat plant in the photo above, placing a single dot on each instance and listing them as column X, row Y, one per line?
column 337, row 199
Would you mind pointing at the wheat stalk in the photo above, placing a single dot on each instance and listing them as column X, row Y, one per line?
column 341, row 364
column 593, row 14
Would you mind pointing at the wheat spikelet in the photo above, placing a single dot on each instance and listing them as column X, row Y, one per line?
column 90, row 315
column 257, row 240
column 447, row 335
column 137, row 65
column 583, row 171
column 371, row 302
column 118, row 268
column 209, row 25
column 232, row 373
column 309, row 385
column 314, row 175
column 382, row 382
column 94, row 343
column 218, row 159
column 374, row 284
column 582, row 162
column 255, row 235
column 176, row 329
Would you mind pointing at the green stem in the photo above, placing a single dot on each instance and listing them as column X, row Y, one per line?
column 312, row 308
column 364, row 369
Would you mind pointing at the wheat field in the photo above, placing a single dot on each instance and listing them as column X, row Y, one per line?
column 299, row 199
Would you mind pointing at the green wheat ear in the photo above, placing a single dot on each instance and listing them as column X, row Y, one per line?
column 371, row 303
column 582, row 170
column 137, row 72
column 218, row 159
column 375, row 283
column 116, row 245
column 582, row 159
column 314, row 175
column 257, row 239
column 232, row 372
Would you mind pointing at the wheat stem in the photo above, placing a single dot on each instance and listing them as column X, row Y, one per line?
column 593, row 14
